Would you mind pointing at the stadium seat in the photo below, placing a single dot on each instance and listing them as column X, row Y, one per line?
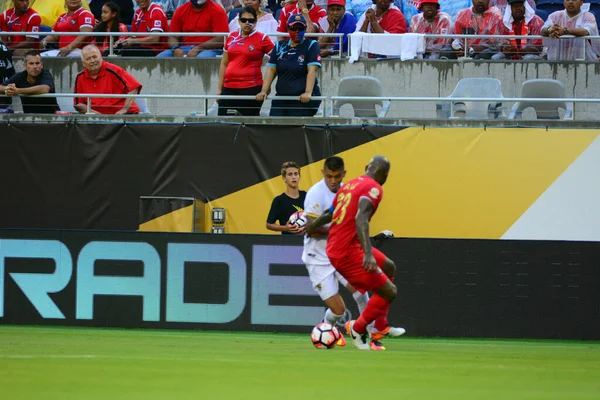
column 143, row 105
column 473, row 88
column 542, row 14
column 233, row 13
column 542, row 88
column 362, row 86
column 550, row 6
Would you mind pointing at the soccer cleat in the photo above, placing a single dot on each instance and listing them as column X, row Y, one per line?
column 359, row 339
column 342, row 340
column 376, row 345
column 389, row 331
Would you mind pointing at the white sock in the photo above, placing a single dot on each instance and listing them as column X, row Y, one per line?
column 361, row 300
column 331, row 318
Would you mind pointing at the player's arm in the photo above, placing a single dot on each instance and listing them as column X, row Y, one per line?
column 317, row 224
column 365, row 210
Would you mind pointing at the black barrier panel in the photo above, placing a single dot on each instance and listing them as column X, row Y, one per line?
column 91, row 176
column 465, row 288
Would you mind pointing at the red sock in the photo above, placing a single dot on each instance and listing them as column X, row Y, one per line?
column 381, row 322
column 376, row 306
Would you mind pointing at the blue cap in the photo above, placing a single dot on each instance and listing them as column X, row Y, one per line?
column 296, row 19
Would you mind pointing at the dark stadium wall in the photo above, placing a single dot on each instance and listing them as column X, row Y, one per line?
column 450, row 288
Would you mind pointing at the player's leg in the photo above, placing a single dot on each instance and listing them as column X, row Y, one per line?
column 382, row 327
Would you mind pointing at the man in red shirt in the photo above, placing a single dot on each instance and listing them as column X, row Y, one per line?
column 480, row 19
column 21, row 18
column 521, row 20
column 197, row 16
column 350, row 252
column 382, row 17
column 311, row 13
column 101, row 77
column 149, row 17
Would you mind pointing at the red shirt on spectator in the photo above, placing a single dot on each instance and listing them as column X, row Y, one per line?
column 81, row 18
column 488, row 23
column 315, row 13
column 392, row 21
column 245, row 59
column 111, row 79
column 533, row 28
column 28, row 22
column 153, row 20
column 106, row 43
column 210, row 18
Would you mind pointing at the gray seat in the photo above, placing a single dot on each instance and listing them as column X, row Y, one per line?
column 142, row 105
column 473, row 88
column 543, row 88
column 356, row 86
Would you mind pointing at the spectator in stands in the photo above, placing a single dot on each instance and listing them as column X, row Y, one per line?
column 7, row 70
column 295, row 62
column 21, row 18
column 149, row 17
column 101, row 77
column 110, row 22
column 502, row 5
column 432, row 21
column 34, row 80
column 309, row 11
column 520, row 19
column 477, row 20
column 125, row 7
column 338, row 20
column 229, row 5
column 265, row 22
column 382, row 17
column 240, row 72
column 571, row 21
column 288, row 202
column 51, row 10
column 197, row 16
column 76, row 19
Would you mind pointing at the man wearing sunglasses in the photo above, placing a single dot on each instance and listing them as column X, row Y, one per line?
column 309, row 11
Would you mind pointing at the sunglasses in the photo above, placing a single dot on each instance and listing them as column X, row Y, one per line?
column 297, row 27
column 247, row 20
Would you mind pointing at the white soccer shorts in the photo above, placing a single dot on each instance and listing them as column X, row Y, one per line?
column 324, row 279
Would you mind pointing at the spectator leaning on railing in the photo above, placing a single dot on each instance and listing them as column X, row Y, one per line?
column 149, row 17
column 21, row 18
column 197, row 16
column 101, row 77
column 477, row 20
column 34, row 80
column 575, row 21
column 434, row 22
column 76, row 19
column 338, row 20
column 520, row 19
column 295, row 62
column 240, row 72
column 110, row 22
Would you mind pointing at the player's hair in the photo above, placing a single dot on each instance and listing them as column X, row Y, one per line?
column 33, row 53
column 248, row 10
column 334, row 163
column 289, row 164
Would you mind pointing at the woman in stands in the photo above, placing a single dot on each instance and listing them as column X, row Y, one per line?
column 265, row 22
column 76, row 19
column 240, row 72
column 295, row 62
column 110, row 22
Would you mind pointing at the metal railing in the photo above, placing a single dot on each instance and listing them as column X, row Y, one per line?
column 328, row 101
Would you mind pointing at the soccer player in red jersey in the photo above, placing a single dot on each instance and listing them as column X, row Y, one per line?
column 350, row 252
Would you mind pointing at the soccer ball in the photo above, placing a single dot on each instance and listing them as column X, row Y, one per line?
column 325, row 336
column 299, row 219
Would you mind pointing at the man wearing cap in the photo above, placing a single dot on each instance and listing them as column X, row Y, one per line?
column 520, row 19
column 338, row 20
column 434, row 22
column 309, row 11
column 295, row 62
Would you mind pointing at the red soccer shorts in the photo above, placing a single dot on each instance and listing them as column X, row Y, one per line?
column 350, row 266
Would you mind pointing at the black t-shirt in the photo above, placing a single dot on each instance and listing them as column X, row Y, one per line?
column 6, row 71
column 33, row 104
column 283, row 206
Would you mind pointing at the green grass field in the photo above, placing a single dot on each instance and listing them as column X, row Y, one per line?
column 83, row 363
